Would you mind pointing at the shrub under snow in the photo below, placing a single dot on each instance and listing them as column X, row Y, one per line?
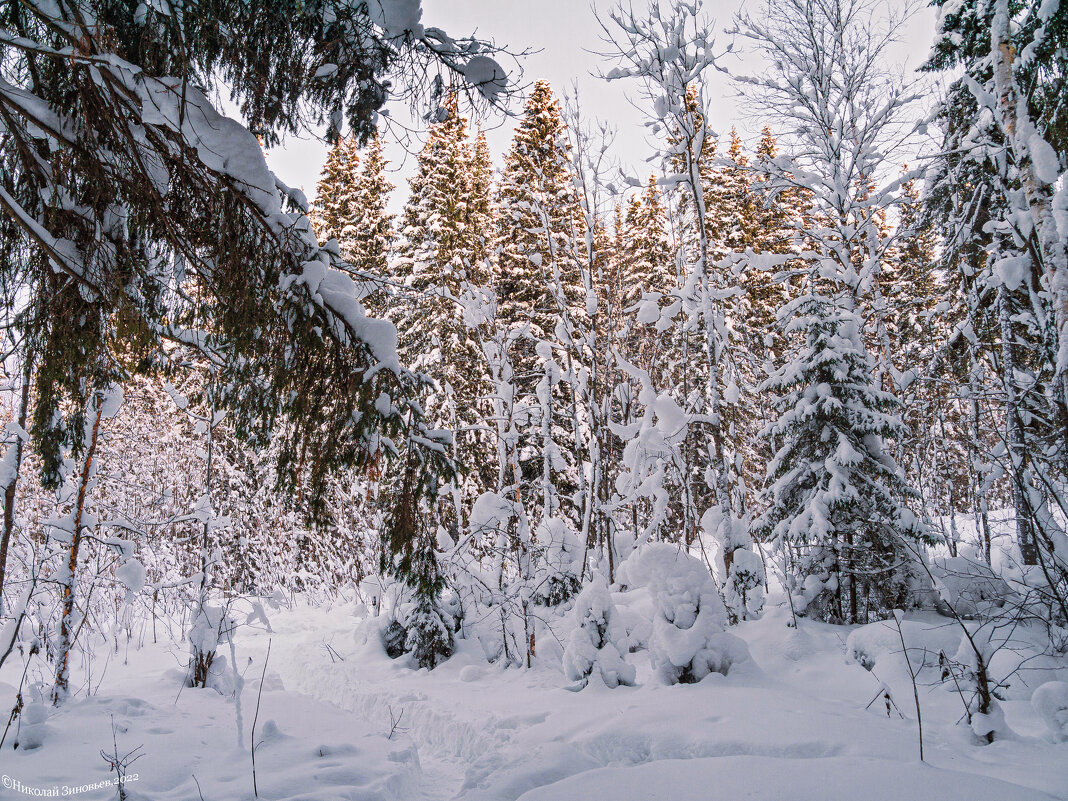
column 969, row 586
column 599, row 642
column 557, row 575
column 1051, row 703
column 688, row 640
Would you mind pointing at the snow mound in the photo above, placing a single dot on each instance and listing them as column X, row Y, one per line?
column 969, row 586
column 1051, row 703
column 873, row 643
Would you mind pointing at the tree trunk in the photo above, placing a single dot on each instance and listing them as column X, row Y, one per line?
column 1019, row 130
column 10, row 490
column 1015, row 436
column 69, row 584
column 201, row 660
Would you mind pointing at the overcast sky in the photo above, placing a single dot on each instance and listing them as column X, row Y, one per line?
column 566, row 36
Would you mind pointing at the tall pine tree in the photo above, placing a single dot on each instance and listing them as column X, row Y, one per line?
column 337, row 199
column 442, row 248
column 540, row 245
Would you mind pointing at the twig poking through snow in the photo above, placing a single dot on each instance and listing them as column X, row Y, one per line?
column 394, row 723
column 256, row 717
column 912, row 675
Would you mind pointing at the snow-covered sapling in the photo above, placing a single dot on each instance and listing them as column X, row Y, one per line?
column 688, row 640
column 556, row 577
column 1051, row 703
column 70, row 530
column 120, row 764
column 597, row 645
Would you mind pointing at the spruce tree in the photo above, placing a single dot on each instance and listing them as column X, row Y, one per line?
column 482, row 212
column 911, row 283
column 834, row 504
column 367, row 239
column 337, row 199
column 644, row 276
column 409, row 556
column 539, row 216
column 540, row 245
column 351, row 207
column 650, row 265
column 732, row 217
column 441, row 249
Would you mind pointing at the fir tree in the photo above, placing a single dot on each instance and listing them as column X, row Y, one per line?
column 337, row 199
column 538, row 283
column 367, row 239
column 732, row 218
column 649, row 263
column 539, row 216
column 409, row 556
column 910, row 282
column 834, row 501
column 483, row 212
column 442, row 248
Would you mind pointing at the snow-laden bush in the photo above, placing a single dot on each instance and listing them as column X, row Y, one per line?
column 420, row 630
column 973, row 668
column 393, row 638
column 34, row 730
column 745, row 584
column 556, row 577
column 1051, row 703
column 743, row 569
column 599, row 641
column 489, row 513
column 429, row 637
column 879, row 642
column 211, row 627
column 419, row 626
column 688, row 640
column 969, row 586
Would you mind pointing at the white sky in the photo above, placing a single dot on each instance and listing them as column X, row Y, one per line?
column 565, row 32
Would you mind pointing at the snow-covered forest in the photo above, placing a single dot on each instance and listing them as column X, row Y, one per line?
column 530, row 474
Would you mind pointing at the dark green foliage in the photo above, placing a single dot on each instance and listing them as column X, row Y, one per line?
column 128, row 232
column 559, row 589
column 835, row 504
column 408, row 551
column 393, row 639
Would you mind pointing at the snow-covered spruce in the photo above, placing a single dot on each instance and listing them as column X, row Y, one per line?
column 598, row 644
column 688, row 638
column 834, row 502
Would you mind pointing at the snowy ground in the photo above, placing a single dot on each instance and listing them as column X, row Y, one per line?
column 790, row 724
